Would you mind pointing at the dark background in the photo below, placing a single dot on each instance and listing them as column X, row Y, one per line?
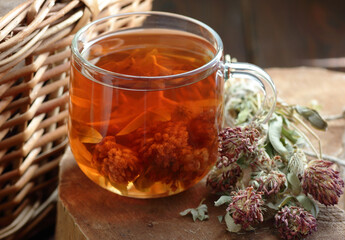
column 273, row 33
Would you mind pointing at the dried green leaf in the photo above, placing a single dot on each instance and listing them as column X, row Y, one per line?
column 272, row 206
column 289, row 147
column 185, row 212
column 220, row 218
column 197, row 213
column 269, row 150
column 294, row 182
column 286, row 187
column 292, row 136
column 285, row 201
column 312, row 116
column 243, row 116
column 222, row 200
column 308, row 204
column 194, row 213
column 274, row 134
column 202, row 212
column 230, row 223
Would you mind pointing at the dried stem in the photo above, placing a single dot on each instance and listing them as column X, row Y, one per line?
column 335, row 117
column 316, row 153
column 319, row 154
column 327, row 157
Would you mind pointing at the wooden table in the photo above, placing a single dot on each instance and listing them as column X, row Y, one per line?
column 86, row 211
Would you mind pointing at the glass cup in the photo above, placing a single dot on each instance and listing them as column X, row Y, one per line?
column 146, row 101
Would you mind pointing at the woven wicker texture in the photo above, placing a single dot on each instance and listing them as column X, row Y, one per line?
column 34, row 63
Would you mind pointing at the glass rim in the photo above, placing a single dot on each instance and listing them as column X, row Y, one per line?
column 209, row 64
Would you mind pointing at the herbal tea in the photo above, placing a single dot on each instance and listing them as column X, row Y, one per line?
column 146, row 135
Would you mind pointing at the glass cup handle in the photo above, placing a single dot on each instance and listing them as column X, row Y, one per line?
column 253, row 72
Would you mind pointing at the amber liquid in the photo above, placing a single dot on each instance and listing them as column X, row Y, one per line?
column 146, row 138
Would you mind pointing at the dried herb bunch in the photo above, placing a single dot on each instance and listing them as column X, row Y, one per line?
column 262, row 169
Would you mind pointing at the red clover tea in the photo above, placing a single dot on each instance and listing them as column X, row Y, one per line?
column 137, row 130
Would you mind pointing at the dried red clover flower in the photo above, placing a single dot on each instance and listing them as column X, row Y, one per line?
column 170, row 157
column 322, row 182
column 115, row 162
column 264, row 163
column 294, row 223
column 246, row 207
column 235, row 143
column 297, row 162
column 202, row 130
column 269, row 183
column 223, row 180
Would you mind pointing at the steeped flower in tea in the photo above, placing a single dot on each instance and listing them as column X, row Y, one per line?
column 118, row 163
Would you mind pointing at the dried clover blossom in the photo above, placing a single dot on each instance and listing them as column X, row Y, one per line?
column 235, row 143
column 171, row 158
column 269, row 183
column 115, row 162
column 282, row 138
column 264, row 163
column 294, row 223
column 223, row 180
column 297, row 162
column 202, row 130
column 246, row 207
column 322, row 182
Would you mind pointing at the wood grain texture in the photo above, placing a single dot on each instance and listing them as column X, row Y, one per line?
column 94, row 213
column 87, row 211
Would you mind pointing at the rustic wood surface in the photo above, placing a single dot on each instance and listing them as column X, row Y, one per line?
column 86, row 211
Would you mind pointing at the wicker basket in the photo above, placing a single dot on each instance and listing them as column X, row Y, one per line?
column 34, row 63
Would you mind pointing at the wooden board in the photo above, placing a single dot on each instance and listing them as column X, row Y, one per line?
column 86, row 211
